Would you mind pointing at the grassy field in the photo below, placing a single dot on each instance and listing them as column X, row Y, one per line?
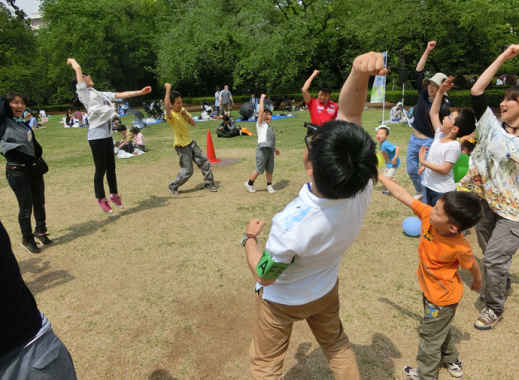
column 161, row 289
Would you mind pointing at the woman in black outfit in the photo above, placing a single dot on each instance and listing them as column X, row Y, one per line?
column 24, row 170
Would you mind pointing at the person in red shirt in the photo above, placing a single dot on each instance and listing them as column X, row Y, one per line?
column 321, row 109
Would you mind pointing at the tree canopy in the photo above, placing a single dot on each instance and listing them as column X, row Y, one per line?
column 260, row 45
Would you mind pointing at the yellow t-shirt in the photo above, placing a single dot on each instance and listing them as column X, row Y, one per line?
column 439, row 259
column 180, row 128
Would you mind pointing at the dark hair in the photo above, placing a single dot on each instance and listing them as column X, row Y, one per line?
column 175, row 94
column 226, row 118
column 343, row 158
column 325, row 90
column 466, row 122
column 135, row 130
column 266, row 110
column 385, row 129
column 462, row 208
column 468, row 145
column 120, row 128
column 512, row 93
column 13, row 94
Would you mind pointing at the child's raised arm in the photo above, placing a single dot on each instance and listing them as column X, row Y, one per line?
column 167, row 99
column 261, row 109
column 434, row 113
column 306, row 86
column 132, row 94
column 396, row 190
column 355, row 89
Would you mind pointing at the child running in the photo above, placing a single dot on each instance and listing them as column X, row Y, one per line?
column 265, row 149
column 441, row 250
column 389, row 151
column 445, row 150
column 100, row 111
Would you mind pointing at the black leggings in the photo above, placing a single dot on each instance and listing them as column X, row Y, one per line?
column 104, row 161
column 30, row 193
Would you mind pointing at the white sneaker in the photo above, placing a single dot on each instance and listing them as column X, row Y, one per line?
column 411, row 373
column 270, row 189
column 418, row 196
column 455, row 369
column 250, row 188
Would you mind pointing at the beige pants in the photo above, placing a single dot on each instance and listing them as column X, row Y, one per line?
column 272, row 331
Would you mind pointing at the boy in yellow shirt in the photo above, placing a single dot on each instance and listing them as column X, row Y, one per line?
column 187, row 148
column 441, row 250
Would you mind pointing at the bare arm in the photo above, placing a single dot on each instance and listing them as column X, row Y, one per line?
column 396, row 190
column 75, row 66
column 444, row 168
column 355, row 89
column 434, row 112
column 167, row 99
column 304, row 90
column 476, row 276
column 132, row 94
column 423, row 59
column 253, row 251
column 484, row 79
column 397, row 152
column 261, row 108
column 187, row 117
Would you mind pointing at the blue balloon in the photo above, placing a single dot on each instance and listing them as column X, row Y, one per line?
column 412, row 226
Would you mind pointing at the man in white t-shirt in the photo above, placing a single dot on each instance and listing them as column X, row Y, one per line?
column 297, row 273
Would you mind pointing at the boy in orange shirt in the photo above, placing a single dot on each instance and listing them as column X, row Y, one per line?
column 441, row 250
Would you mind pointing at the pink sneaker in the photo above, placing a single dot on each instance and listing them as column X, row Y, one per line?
column 115, row 198
column 104, row 205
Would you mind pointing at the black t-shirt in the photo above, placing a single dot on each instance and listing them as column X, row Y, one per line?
column 422, row 121
column 19, row 316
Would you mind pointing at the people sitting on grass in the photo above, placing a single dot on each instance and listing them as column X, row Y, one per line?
column 441, row 250
column 227, row 128
column 137, row 139
column 445, row 150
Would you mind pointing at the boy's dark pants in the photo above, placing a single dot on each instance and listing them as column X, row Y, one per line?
column 187, row 154
column 436, row 339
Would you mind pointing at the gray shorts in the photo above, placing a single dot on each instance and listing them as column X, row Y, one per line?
column 264, row 160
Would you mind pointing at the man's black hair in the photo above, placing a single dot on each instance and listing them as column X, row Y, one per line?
column 326, row 90
column 466, row 122
column 175, row 94
column 13, row 94
column 266, row 110
column 343, row 158
column 462, row 208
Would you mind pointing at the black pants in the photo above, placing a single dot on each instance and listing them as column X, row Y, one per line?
column 104, row 161
column 30, row 193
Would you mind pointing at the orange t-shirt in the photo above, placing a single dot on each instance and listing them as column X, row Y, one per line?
column 439, row 258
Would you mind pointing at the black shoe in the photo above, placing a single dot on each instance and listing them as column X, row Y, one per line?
column 31, row 246
column 44, row 239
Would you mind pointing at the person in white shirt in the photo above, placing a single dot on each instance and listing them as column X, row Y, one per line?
column 100, row 112
column 297, row 272
column 445, row 150
column 265, row 150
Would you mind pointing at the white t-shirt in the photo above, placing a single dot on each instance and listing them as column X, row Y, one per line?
column 315, row 233
column 439, row 153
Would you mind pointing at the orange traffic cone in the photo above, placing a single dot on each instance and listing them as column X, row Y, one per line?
column 210, row 149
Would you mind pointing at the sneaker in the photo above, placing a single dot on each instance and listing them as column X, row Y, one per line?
column 43, row 238
column 104, row 205
column 487, row 319
column 115, row 198
column 386, row 192
column 211, row 186
column 250, row 188
column 418, row 196
column 455, row 368
column 30, row 245
column 411, row 373
column 172, row 189
column 270, row 189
